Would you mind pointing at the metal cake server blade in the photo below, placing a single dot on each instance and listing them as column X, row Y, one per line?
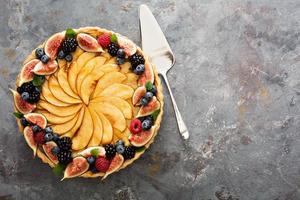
column 155, row 44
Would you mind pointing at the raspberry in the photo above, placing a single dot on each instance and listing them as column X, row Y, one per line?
column 39, row 137
column 104, row 40
column 102, row 164
column 135, row 126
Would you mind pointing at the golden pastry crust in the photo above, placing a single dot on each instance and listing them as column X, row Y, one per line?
column 95, row 31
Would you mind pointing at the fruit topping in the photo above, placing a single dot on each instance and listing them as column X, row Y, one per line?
column 136, row 59
column 48, row 129
column 52, row 45
column 104, row 40
column 149, row 108
column 24, row 122
column 69, row 58
column 48, row 149
column 88, row 43
column 55, row 137
column 148, row 74
column 45, row 59
column 64, row 157
column 135, row 126
column 69, row 45
column 45, row 69
column 121, row 53
column 64, row 143
column 110, row 151
column 78, row 166
column 39, row 137
column 149, row 96
column 114, row 165
column 129, row 152
column 25, row 96
column 36, row 129
column 138, row 94
column 61, row 54
column 21, row 105
column 48, row 137
column 139, row 69
column 93, row 151
column 26, row 74
column 144, row 101
column 147, row 123
column 31, row 97
column 39, row 52
column 120, row 142
column 26, row 87
column 120, row 61
column 102, row 164
column 120, row 149
column 139, row 140
column 113, row 49
column 28, row 134
column 37, row 119
column 91, row 160
column 128, row 46
column 55, row 150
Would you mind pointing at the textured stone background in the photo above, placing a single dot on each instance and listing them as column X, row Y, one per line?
column 236, row 82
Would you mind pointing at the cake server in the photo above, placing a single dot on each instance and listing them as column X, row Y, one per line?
column 155, row 44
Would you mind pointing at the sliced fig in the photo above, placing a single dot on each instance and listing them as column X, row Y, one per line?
column 87, row 152
column 78, row 166
column 148, row 74
column 142, row 138
column 48, row 151
column 152, row 106
column 53, row 43
column 114, row 165
column 126, row 44
column 138, row 94
column 26, row 74
column 21, row 105
column 45, row 69
column 28, row 135
column 88, row 43
column 36, row 118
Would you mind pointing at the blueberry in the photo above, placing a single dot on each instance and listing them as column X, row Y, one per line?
column 48, row 129
column 45, row 59
column 146, row 124
column 48, row 137
column 94, row 169
column 69, row 58
column 153, row 90
column 120, row 61
column 144, row 101
column 120, row 142
column 25, row 96
column 39, row 52
column 139, row 69
column 120, row 149
column 55, row 150
column 24, row 122
column 61, row 54
column 91, row 160
column 55, row 137
column 149, row 95
column 121, row 53
column 36, row 129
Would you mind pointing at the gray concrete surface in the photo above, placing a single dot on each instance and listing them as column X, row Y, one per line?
column 236, row 82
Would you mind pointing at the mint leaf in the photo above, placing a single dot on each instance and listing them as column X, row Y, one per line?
column 114, row 38
column 140, row 149
column 38, row 80
column 18, row 115
column 70, row 33
column 59, row 169
column 149, row 86
column 95, row 153
column 155, row 114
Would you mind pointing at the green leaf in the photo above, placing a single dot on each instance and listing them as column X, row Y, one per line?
column 18, row 115
column 140, row 149
column 95, row 153
column 114, row 38
column 70, row 33
column 149, row 86
column 155, row 114
column 38, row 80
column 59, row 169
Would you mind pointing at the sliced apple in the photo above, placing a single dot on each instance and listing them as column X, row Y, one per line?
column 132, row 80
column 97, row 132
column 107, row 130
column 85, row 132
column 54, row 119
column 64, row 128
column 77, row 125
column 106, row 80
column 47, row 94
column 77, row 53
column 60, row 111
column 62, row 77
column 72, row 75
column 125, row 68
column 118, row 90
column 110, row 68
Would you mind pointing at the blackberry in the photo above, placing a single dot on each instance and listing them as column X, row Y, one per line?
column 129, row 152
column 113, row 49
column 64, row 157
column 26, row 87
column 34, row 96
column 69, row 45
column 110, row 150
column 136, row 59
column 64, row 143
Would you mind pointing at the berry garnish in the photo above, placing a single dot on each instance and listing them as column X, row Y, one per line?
column 146, row 124
column 48, row 129
column 69, row 58
column 113, row 49
column 104, row 40
column 45, row 59
column 69, row 45
column 139, row 69
column 121, row 53
column 102, row 164
column 61, row 54
column 120, row 61
column 34, row 96
column 64, row 157
column 120, row 142
column 39, row 137
column 135, row 126
column 25, row 96
column 26, row 87
column 149, row 95
column 144, row 101
column 120, row 149
column 36, row 129
column 110, row 151
column 153, row 90
column 136, row 59
column 91, row 160
column 39, row 52
column 55, row 137
column 48, row 137
column 129, row 152
column 64, row 143
column 24, row 122
column 55, row 150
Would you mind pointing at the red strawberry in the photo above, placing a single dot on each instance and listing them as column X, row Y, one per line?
column 39, row 137
column 135, row 126
column 102, row 164
column 104, row 40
